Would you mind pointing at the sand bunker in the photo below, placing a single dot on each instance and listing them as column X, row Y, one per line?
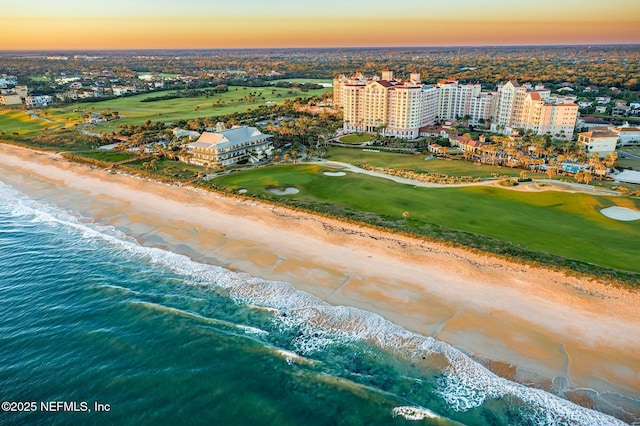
column 334, row 173
column 287, row 191
column 621, row 213
column 242, row 191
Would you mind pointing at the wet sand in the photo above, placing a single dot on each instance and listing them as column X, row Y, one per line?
column 526, row 323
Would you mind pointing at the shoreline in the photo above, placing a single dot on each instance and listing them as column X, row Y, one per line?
column 483, row 304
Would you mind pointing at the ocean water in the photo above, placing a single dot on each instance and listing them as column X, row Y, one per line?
column 97, row 329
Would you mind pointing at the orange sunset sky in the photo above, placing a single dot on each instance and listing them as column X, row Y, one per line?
column 131, row 24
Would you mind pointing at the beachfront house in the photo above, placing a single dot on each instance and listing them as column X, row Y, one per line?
column 240, row 144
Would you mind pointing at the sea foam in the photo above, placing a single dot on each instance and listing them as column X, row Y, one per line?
column 464, row 384
column 414, row 413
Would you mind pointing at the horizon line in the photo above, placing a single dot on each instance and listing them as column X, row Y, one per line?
column 68, row 49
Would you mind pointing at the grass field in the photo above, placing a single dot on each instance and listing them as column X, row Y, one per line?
column 109, row 156
column 305, row 80
column 355, row 138
column 14, row 120
column 417, row 163
column 559, row 223
column 135, row 112
column 629, row 164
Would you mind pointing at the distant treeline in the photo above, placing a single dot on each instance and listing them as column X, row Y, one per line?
column 256, row 82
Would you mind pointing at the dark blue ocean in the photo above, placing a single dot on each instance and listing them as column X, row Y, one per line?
column 89, row 319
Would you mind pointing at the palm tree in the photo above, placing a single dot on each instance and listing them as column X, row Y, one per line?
column 611, row 160
column 524, row 174
column 551, row 171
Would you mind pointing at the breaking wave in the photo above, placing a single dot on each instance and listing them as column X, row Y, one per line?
column 462, row 383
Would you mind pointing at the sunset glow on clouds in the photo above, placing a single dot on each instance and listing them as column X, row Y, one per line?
column 123, row 24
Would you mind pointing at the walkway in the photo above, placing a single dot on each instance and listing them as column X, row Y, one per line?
column 550, row 185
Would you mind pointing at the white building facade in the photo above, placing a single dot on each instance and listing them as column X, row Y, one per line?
column 399, row 108
column 227, row 147
column 600, row 140
column 627, row 135
column 385, row 105
column 37, row 101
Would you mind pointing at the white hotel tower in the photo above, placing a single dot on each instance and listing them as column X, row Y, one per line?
column 385, row 105
column 400, row 108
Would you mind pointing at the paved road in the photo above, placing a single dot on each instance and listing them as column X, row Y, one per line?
column 624, row 154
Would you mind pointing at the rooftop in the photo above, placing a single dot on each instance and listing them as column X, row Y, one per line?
column 228, row 138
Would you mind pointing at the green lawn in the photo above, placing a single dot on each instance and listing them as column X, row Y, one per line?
column 133, row 111
column 355, row 138
column 15, row 120
column 305, row 80
column 41, row 79
column 559, row 223
column 108, row 156
column 417, row 163
column 629, row 164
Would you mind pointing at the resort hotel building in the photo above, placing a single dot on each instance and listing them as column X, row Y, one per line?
column 227, row 147
column 385, row 105
column 400, row 108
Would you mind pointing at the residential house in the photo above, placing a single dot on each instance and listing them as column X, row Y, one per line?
column 603, row 100
column 10, row 99
column 123, row 90
column 8, row 80
column 21, row 90
column 227, row 147
column 627, row 135
column 599, row 139
column 620, row 109
column 585, row 104
column 69, row 95
column 34, row 101
column 587, row 123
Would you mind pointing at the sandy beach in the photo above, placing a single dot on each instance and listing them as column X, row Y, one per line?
column 526, row 323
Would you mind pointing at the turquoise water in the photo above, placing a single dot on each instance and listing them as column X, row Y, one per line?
column 89, row 316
